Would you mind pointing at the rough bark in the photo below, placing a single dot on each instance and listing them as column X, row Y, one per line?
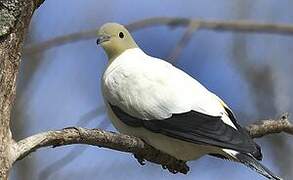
column 134, row 145
column 15, row 16
column 100, row 138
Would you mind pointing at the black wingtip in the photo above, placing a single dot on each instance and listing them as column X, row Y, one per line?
column 252, row 163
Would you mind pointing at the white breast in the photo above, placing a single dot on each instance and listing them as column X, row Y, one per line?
column 151, row 88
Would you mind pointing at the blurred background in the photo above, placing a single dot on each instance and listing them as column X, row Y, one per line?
column 60, row 86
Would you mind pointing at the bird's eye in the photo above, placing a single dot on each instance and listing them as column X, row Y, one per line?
column 121, row 35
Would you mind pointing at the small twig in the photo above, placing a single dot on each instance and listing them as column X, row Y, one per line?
column 183, row 41
column 217, row 25
column 125, row 143
column 265, row 127
column 238, row 26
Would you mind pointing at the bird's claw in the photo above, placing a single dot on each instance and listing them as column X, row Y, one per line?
column 139, row 159
column 172, row 171
column 176, row 168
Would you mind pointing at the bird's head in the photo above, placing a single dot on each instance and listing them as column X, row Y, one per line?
column 115, row 39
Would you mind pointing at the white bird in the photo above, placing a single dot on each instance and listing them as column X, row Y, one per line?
column 151, row 99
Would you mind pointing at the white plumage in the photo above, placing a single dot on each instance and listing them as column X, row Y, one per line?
column 151, row 88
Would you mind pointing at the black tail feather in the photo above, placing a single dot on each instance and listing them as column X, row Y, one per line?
column 252, row 163
column 257, row 154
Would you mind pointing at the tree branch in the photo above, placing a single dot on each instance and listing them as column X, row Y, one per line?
column 75, row 152
column 186, row 37
column 130, row 144
column 270, row 126
column 100, row 138
column 15, row 16
column 238, row 26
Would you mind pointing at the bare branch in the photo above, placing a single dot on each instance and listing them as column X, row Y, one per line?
column 238, row 26
column 265, row 127
column 100, row 138
column 125, row 143
column 76, row 151
column 175, row 53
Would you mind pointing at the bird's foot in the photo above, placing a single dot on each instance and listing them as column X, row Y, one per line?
column 139, row 159
column 170, row 169
column 175, row 167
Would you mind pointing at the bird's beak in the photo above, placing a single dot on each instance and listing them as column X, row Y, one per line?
column 103, row 38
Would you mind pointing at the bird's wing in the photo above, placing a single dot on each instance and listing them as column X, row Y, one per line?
column 194, row 127
column 163, row 99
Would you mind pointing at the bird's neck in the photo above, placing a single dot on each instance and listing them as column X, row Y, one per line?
column 118, row 49
column 116, row 53
column 129, row 55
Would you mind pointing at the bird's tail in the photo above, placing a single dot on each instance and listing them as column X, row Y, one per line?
column 254, row 164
